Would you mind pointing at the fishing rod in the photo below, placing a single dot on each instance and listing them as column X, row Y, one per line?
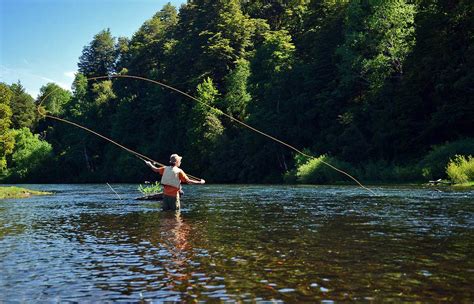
column 142, row 157
column 221, row 113
column 114, row 191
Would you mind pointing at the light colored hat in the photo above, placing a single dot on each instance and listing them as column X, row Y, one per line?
column 174, row 158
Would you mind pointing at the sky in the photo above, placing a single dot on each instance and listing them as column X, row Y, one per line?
column 41, row 40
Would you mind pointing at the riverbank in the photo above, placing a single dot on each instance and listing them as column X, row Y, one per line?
column 17, row 192
column 464, row 185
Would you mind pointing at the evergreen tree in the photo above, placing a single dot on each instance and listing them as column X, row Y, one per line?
column 237, row 96
column 99, row 57
column 210, row 37
column 229, row 39
column 23, row 108
column 147, row 50
column 204, row 129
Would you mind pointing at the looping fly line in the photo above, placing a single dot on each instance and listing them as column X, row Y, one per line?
column 43, row 112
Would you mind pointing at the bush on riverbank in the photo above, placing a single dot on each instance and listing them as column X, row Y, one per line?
column 30, row 158
column 315, row 171
column 460, row 169
column 434, row 164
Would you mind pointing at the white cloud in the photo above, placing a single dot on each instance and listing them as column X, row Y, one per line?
column 44, row 78
column 31, row 81
column 70, row 74
column 59, row 83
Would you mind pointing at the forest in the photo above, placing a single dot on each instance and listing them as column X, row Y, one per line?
column 381, row 89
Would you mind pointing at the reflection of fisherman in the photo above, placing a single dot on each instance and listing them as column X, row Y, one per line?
column 174, row 236
column 171, row 179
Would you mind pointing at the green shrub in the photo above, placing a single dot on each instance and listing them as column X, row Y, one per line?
column 315, row 171
column 29, row 156
column 460, row 169
column 433, row 166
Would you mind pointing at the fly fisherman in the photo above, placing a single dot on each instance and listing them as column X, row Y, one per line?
column 171, row 178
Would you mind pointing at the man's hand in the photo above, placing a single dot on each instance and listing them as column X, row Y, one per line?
column 203, row 181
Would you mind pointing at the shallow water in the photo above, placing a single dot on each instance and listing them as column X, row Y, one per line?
column 239, row 243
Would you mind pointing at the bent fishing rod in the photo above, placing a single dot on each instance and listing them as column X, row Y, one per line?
column 142, row 157
column 208, row 106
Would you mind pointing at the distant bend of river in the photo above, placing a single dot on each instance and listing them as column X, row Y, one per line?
column 239, row 243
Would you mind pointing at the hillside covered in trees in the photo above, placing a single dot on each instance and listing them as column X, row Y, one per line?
column 382, row 89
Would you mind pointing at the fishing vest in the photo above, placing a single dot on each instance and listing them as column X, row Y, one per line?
column 171, row 177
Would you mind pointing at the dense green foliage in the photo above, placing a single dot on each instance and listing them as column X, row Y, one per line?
column 30, row 156
column 7, row 139
column 461, row 169
column 383, row 87
column 433, row 165
column 55, row 99
column 315, row 171
column 23, row 108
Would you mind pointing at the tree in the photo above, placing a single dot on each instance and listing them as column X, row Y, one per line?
column 313, row 80
column 205, row 128
column 272, row 61
column 360, row 81
column 268, row 110
column 99, row 57
column 7, row 140
column 379, row 36
column 56, row 98
column 435, row 103
column 237, row 96
column 23, row 108
column 147, row 49
column 431, row 103
column 229, row 39
column 29, row 154
column 280, row 14
column 210, row 37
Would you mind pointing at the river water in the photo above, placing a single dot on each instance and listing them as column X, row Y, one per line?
column 239, row 243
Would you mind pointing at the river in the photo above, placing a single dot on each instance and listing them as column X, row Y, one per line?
column 239, row 243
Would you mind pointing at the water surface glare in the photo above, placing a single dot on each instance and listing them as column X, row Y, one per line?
column 239, row 243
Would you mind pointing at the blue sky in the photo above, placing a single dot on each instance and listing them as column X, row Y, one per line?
column 41, row 40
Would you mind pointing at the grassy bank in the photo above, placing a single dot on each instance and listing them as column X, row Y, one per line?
column 17, row 192
column 464, row 185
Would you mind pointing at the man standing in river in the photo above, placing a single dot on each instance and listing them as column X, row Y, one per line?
column 171, row 178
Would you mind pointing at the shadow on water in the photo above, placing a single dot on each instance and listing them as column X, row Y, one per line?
column 239, row 243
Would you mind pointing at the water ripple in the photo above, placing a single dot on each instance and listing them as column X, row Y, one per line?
column 238, row 243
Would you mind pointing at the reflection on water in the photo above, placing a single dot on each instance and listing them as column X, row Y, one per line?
column 238, row 243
